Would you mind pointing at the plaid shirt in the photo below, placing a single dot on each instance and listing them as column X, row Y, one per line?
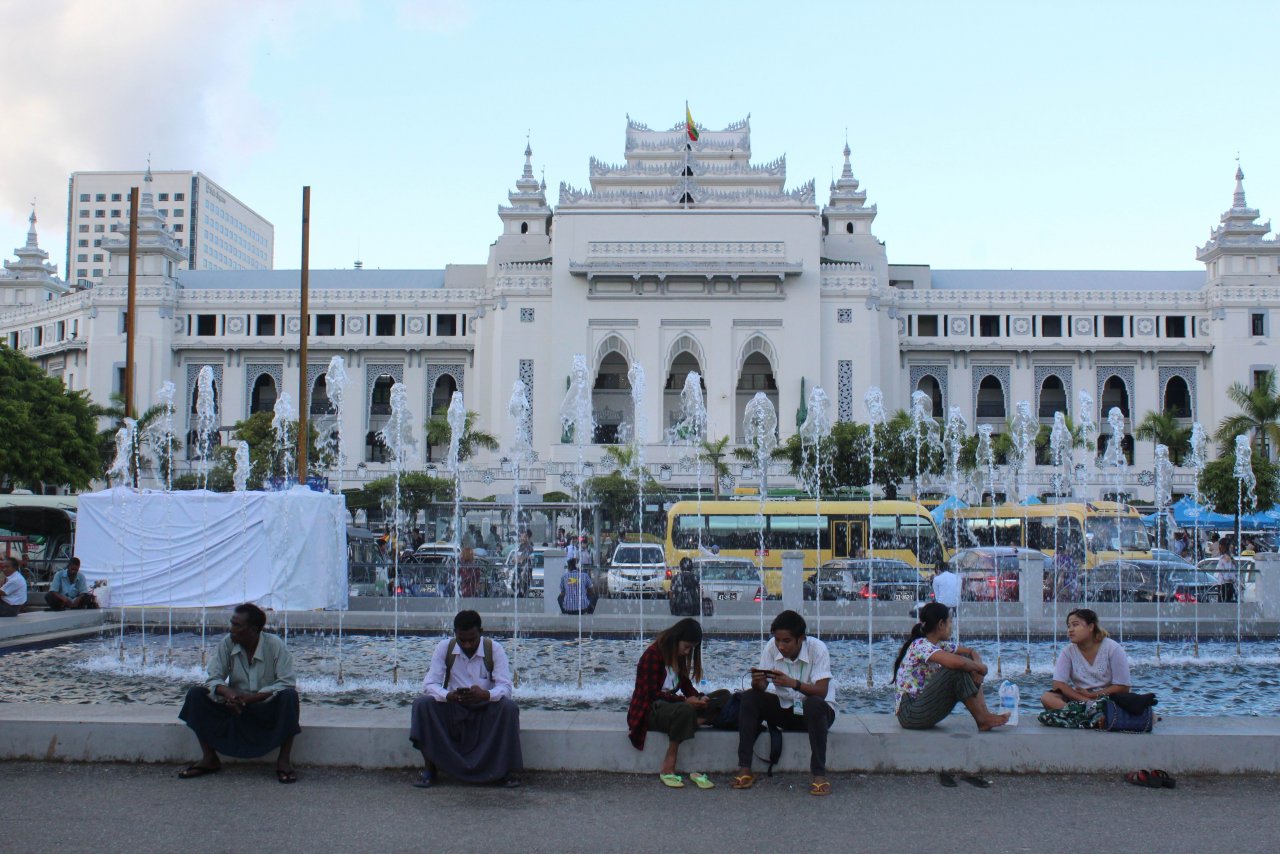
column 651, row 672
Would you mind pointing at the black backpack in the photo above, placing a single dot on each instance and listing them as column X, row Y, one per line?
column 727, row 719
column 450, row 655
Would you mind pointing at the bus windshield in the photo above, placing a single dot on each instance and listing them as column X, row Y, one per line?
column 1117, row 533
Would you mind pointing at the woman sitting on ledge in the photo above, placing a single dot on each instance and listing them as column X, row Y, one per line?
column 1089, row 667
column 932, row 674
column 668, row 669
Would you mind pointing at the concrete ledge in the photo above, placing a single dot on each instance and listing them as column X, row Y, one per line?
column 37, row 623
column 596, row 741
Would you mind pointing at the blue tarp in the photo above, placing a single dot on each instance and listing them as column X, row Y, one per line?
column 1187, row 514
column 939, row 513
column 1030, row 499
column 1262, row 519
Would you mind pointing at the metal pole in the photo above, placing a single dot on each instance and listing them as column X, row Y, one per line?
column 130, row 317
column 303, row 327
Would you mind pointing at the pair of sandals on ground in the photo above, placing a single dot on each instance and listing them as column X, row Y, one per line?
column 285, row 774
column 744, row 779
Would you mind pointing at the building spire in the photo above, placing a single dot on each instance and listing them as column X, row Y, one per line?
column 1237, row 201
column 32, row 242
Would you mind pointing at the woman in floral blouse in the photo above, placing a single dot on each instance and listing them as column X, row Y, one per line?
column 932, row 674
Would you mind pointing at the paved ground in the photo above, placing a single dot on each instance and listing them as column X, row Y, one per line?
column 144, row 808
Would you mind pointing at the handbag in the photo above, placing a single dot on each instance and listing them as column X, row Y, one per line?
column 1118, row 719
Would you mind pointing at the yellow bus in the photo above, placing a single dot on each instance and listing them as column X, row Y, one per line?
column 822, row 531
column 1090, row 532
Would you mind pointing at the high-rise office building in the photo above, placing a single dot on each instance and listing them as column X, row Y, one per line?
column 219, row 231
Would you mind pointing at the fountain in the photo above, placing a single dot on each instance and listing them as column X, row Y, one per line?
column 206, row 423
column 953, row 437
column 814, row 432
column 1062, row 451
column 1023, row 432
column 760, row 430
column 335, row 385
column 521, row 415
column 397, row 435
column 457, row 418
column 1163, row 494
column 121, row 471
column 987, row 460
column 1088, row 429
column 1197, row 459
column 577, row 418
column 241, row 480
column 873, row 402
column 1246, row 487
column 284, row 425
column 1113, row 460
column 640, row 422
column 161, row 435
column 693, row 429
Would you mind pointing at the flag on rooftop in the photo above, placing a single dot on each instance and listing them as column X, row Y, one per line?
column 689, row 126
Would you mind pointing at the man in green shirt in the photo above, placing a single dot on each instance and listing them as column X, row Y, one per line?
column 69, row 589
column 249, row 704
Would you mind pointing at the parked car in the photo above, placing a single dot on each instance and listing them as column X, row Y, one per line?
column 1166, row 556
column 637, row 569
column 1245, row 570
column 434, row 573
column 990, row 573
column 866, row 578
column 1148, row 581
column 729, row 579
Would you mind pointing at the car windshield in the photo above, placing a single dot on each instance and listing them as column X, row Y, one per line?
column 631, row 554
column 728, row 572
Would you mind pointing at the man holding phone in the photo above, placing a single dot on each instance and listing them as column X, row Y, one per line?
column 465, row 720
column 792, row 689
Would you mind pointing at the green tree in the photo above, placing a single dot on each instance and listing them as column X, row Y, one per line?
column 1259, row 415
column 618, row 492
column 440, row 433
column 418, row 490
column 50, row 434
column 264, row 460
column 713, row 453
column 147, row 424
column 1221, row 490
column 1164, row 428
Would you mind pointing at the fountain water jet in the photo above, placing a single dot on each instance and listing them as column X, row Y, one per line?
column 206, row 423
column 163, row 443
column 760, row 430
column 1113, row 460
column 814, row 433
column 1197, row 459
column 578, row 418
column 1246, row 486
column 1023, row 432
column 953, row 437
column 986, row 459
column 335, row 385
column 1163, row 494
column 284, row 424
column 121, row 470
column 692, row 429
column 457, row 418
column 521, row 415
column 397, row 435
column 1062, row 452
column 873, row 402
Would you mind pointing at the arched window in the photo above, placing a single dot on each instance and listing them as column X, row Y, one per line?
column 930, row 386
column 848, row 226
column 1114, row 394
column 263, row 398
column 374, row 449
column 990, row 398
column 380, row 401
column 195, row 398
column 681, row 366
column 524, row 228
column 1177, row 397
column 757, row 374
column 319, row 396
column 611, row 399
column 1053, row 396
column 442, row 394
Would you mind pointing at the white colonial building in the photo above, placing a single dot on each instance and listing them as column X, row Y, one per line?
column 686, row 256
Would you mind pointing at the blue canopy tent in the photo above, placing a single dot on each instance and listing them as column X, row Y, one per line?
column 1187, row 514
column 1262, row 519
column 1030, row 499
column 939, row 513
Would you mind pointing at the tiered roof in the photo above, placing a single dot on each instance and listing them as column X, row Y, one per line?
column 1239, row 229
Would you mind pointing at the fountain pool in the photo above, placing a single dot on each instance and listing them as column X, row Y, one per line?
column 91, row 671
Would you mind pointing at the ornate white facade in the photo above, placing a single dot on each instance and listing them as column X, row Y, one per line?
column 685, row 256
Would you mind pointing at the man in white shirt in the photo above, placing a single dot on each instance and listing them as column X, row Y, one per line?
column 791, row 688
column 465, row 721
column 946, row 588
column 13, row 594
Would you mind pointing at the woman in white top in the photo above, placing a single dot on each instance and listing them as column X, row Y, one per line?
column 1089, row 667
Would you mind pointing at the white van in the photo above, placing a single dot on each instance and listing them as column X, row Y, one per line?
column 637, row 569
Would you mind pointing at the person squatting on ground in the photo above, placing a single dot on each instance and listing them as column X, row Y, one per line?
column 249, row 704
column 932, row 674
column 465, row 722
column 791, row 688
column 665, row 700
column 70, row 589
column 13, row 593
column 577, row 590
column 1091, row 666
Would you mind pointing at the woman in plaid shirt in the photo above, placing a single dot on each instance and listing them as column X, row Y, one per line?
column 665, row 699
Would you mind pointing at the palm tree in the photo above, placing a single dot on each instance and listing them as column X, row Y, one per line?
column 713, row 453
column 1165, row 428
column 440, row 433
column 1259, row 415
column 144, row 433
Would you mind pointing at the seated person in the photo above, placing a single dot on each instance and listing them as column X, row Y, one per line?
column 13, row 594
column 668, row 669
column 249, row 704
column 791, row 688
column 465, row 721
column 70, row 589
column 932, row 674
column 577, row 590
column 685, row 591
column 1089, row 667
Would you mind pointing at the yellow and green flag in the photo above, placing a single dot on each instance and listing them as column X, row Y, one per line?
column 689, row 126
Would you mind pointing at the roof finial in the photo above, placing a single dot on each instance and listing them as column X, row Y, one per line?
column 32, row 243
column 847, row 171
column 147, row 177
column 1238, row 200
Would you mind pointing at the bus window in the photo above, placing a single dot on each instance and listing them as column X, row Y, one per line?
column 798, row 532
column 1117, row 533
column 733, row 532
column 884, row 532
column 919, row 535
column 685, row 531
column 848, row 538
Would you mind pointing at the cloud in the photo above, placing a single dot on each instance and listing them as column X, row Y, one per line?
column 98, row 85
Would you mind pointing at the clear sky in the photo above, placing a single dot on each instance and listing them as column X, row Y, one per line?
column 991, row 135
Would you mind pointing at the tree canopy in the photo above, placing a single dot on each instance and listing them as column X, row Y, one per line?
column 49, row 433
column 1221, row 490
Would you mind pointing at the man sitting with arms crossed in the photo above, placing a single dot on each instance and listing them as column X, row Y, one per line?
column 792, row 689
column 465, row 720
column 249, row 704
column 70, row 589
column 13, row 593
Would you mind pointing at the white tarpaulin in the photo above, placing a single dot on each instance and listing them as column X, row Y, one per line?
column 282, row 550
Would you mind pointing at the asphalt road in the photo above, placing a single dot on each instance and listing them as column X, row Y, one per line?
column 70, row 808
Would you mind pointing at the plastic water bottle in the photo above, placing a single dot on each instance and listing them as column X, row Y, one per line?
column 1009, row 699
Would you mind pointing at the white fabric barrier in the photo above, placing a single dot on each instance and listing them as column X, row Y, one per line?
column 281, row 550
